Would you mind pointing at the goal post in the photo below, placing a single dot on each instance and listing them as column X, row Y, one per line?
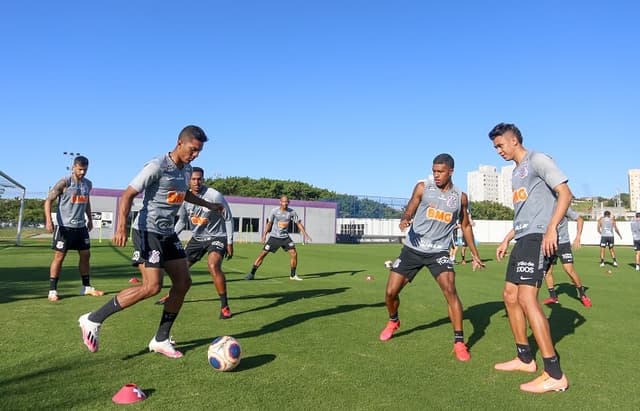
column 11, row 190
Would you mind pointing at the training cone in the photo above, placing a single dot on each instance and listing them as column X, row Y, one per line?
column 134, row 280
column 129, row 394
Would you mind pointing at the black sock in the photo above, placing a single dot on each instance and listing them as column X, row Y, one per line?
column 53, row 283
column 552, row 367
column 458, row 336
column 552, row 292
column 105, row 311
column 165, row 325
column 85, row 281
column 394, row 317
column 293, row 272
column 581, row 291
column 524, row 353
column 254, row 269
column 223, row 300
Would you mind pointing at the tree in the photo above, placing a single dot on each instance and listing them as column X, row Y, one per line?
column 489, row 210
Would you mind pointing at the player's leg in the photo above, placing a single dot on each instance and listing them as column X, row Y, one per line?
column 84, row 257
column 570, row 269
column 552, row 379
column 602, row 247
column 446, row 281
column 54, row 274
column 265, row 251
column 395, row 284
column 550, row 283
column 613, row 254
column 178, row 272
column 214, row 262
column 293, row 264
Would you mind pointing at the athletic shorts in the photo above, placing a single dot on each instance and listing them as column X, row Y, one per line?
column 527, row 262
column 273, row 244
column 606, row 241
column 564, row 253
column 636, row 245
column 65, row 238
column 153, row 249
column 196, row 249
column 410, row 262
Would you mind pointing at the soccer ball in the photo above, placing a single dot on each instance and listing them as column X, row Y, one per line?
column 224, row 353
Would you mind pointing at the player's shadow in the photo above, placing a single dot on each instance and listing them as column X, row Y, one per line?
column 563, row 321
column 330, row 273
column 281, row 298
column 254, row 361
column 569, row 290
column 275, row 326
column 479, row 315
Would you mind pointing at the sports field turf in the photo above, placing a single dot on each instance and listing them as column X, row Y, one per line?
column 311, row 344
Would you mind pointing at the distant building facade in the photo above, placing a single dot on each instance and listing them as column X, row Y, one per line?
column 487, row 184
column 634, row 189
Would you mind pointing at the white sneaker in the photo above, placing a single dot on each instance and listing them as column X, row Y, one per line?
column 88, row 290
column 90, row 332
column 295, row 278
column 637, row 267
column 601, row 264
column 615, row 263
column 164, row 347
column 53, row 295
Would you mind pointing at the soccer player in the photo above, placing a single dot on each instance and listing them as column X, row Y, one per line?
column 164, row 182
column 278, row 230
column 212, row 234
column 606, row 227
column 565, row 254
column 541, row 197
column 431, row 214
column 635, row 232
column 73, row 225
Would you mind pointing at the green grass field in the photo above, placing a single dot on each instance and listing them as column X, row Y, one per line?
column 311, row 344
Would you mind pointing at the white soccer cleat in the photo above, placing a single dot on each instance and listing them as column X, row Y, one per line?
column 164, row 347
column 295, row 278
column 388, row 264
column 53, row 295
column 88, row 290
column 90, row 332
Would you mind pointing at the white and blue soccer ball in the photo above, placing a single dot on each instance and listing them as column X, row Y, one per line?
column 224, row 353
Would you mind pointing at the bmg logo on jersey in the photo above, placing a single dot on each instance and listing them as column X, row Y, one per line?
column 440, row 215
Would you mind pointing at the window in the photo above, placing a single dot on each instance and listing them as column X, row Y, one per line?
column 249, row 225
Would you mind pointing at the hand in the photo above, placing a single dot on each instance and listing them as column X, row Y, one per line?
column 502, row 249
column 119, row 238
column 476, row 263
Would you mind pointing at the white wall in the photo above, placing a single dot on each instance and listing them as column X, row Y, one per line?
column 491, row 231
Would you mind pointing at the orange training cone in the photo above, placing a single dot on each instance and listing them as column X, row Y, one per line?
column 129, row 394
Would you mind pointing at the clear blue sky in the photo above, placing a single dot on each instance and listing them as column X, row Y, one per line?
column 353, row 96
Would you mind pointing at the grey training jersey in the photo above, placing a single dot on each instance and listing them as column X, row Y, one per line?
column 203, row 222
column 534, row 200
column 164, row 186
column 635, row 229
column 563, row 227
column 435, row 219
column 606, row 227
column 280, row 220
column 72, row 203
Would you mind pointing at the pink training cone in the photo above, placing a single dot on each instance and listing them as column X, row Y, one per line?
column 129, row 394
column 134, row 280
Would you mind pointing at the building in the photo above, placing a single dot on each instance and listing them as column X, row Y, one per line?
column 634, row 189
column 486, row 184
column 249, row 216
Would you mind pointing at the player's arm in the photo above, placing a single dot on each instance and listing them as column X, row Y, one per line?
column 194, row 199
column 412, row 206
column 124, row 208
column 88, row 212
column 54, row 193
column 228, row 224
column 563, row 201
column 599, row 226
column 501, row 251
column 615, row 227
column 303, row 231
column 181, row 223
column 579, row 225
column 267, row 230
column 467, row 233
